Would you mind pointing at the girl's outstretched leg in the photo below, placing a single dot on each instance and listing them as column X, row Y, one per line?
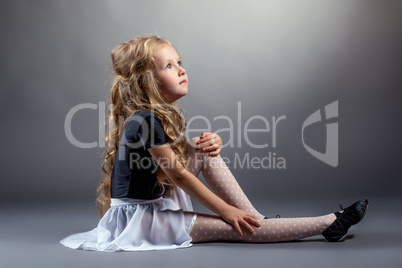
column 213, row 228
column 219, row 178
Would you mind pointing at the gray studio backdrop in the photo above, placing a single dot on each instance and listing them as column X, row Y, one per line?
column 269, row 59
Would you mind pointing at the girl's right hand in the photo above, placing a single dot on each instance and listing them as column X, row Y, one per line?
column 237, row 217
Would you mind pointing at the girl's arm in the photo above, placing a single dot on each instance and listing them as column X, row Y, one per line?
column 166, row 159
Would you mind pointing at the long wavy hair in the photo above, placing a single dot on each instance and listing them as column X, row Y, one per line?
column 135, row 88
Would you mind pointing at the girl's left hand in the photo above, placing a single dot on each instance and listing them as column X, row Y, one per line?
column 210, row 142
column 237, row 217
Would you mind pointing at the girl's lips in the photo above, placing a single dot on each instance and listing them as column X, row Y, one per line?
column 182, row 82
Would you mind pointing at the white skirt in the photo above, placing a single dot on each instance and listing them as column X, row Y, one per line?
column 137, row 225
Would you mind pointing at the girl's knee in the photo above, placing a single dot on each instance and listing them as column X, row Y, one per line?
column 192, row 146
column 193, row 142
column 195, row 152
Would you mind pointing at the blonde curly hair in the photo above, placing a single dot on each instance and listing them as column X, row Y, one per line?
column 135, row 88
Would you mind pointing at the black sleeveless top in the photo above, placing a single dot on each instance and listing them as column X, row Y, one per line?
column 134, row 173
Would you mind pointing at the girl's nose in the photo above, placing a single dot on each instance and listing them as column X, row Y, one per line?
column 182, row 71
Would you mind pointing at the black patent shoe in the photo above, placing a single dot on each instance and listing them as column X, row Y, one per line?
column 345, row 219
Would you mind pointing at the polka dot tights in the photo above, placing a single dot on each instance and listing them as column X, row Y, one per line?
column 223, row 183
column 220, row 179
column 213, row 228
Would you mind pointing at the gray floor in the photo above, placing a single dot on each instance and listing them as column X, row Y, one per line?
column 30, row 234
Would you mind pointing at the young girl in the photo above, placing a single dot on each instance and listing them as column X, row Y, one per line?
column 150, row 170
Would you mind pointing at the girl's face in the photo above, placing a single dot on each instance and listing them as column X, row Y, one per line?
column 170, row 74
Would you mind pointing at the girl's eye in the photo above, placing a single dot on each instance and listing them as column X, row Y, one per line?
column 179, row 63
column 169, row 66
